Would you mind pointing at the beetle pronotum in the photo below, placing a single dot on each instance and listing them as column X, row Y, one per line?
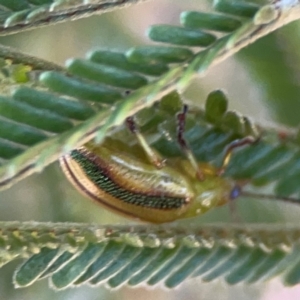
column 142, row 185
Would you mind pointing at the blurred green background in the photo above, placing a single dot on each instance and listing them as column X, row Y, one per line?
column 262, row 82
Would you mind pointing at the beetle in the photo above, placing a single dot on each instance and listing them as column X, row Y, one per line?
column 138, row 183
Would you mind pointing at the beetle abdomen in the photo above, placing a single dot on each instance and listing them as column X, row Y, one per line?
column 126, row 190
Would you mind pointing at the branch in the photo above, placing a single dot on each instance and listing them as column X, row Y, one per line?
column 20, row 19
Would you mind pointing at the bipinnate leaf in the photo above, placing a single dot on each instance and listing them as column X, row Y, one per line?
column 54, row 109
column 101, row 79
column 76, row 254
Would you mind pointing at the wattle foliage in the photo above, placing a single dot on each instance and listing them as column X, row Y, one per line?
column 53, row 109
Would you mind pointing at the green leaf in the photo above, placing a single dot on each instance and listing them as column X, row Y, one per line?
column 19, row 15
column 83, row 87
column 106, row 74
column 158, row 54
column 180, row 36
column 216, row 106
column 168, row 255
column 200, row 20
column 65, row 107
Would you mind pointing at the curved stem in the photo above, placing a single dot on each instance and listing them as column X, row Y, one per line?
column 270, row 197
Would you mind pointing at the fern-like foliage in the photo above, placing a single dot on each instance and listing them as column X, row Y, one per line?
column 52, row 110
column 105, row 75
column 73, row 255
column 16, row 16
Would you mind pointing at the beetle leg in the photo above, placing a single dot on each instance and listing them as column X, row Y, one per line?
column 248, row 140
column 152, row 155
column 181, row 117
